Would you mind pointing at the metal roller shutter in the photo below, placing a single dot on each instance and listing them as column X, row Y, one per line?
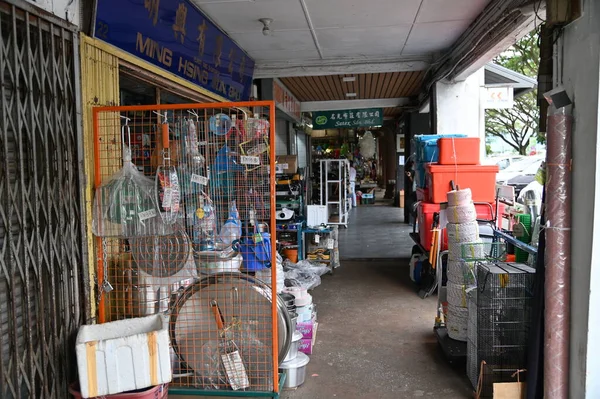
column 42, row 252
column 281, row 137
column 302, row 149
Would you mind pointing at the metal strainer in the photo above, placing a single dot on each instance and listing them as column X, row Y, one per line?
column 162, row 256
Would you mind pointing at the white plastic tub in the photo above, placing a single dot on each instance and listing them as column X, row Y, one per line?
column 123, row 355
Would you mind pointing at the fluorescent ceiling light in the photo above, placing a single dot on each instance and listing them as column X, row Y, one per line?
column 350, row 94
column 349, row 78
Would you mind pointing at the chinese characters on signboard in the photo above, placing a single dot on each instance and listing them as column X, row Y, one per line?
column 176, row 36
column 347, row 118
column 285, row 100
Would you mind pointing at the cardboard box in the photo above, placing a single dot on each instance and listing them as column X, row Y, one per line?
column 307, row 344
column 307, row 329
column 288, row 163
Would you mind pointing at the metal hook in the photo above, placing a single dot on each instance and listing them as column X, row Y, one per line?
column 126, row 126
column 243, row 112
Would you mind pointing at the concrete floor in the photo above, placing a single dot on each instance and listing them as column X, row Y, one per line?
column 375, row 231
column 375, row 337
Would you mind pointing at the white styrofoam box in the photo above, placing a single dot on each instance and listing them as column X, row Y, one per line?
column 316, row 215
column 123, row 355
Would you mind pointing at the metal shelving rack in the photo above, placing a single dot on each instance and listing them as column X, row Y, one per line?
column 334, row 191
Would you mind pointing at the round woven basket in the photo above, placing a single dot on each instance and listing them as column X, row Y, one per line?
column 461, row 214
column 461, row 233
column 457, row 294
column 459, row 197
column 461, row 272
column 457, row 322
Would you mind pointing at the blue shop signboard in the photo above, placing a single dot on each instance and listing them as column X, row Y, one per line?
column 175, row 36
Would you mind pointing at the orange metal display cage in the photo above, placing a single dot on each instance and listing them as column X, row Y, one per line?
column 223, row 155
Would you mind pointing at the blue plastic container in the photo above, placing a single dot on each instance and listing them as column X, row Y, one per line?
column 426, row 151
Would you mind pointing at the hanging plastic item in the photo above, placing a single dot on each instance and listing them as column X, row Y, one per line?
column 191, row 151
column 223, row 168
column 168, row 190
column 202, row 220
column 256, row 250
column 367, row 145
column 126, row 205
column 219, row 124
column 232, row 228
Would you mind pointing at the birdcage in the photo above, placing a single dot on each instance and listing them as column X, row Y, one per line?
column 499, row 320
column 179, row 235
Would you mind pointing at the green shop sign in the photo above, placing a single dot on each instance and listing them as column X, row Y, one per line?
column 348, row 118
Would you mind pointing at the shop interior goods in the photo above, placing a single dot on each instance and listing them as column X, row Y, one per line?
column 499, row 321
column 334, row 189
column 207, row 178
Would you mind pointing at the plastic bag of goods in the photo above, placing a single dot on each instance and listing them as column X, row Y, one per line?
column 126, row 205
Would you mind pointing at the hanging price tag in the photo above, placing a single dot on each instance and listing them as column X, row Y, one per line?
column 167, row 197
column 317, row 238
column 519, row 230
column 249, row 160
column 199, row 179
column 149, row 214
column 330, row 243
column 257, row 238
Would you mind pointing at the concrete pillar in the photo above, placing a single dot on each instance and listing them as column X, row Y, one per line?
column 458, row 107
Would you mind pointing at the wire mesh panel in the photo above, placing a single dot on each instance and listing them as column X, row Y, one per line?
column 499, row 320
column 183, row 211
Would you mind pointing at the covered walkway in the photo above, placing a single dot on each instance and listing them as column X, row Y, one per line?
column 375, row 337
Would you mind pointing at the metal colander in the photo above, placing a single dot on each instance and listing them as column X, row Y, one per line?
column 162, row 256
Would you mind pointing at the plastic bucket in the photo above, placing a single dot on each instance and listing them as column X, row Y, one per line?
column 291, row 254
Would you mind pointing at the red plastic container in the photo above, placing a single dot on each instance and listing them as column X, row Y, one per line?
column 479, row 178
column 459, row 151
column 425, row 213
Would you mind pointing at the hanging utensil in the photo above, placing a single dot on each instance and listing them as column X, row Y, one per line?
column 167, row 182
column 229, row 352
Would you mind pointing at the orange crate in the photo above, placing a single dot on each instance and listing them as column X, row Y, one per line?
column 459, row 151
column 480, row 179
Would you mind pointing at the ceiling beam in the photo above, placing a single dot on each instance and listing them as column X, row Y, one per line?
column 311, row 106
column 338, row 67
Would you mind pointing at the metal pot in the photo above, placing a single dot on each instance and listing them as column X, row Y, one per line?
column 295, row 370
column 293, row 351
column 293, row 320
column 217, row 265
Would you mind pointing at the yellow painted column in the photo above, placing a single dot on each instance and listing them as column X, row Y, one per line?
column 100, row 87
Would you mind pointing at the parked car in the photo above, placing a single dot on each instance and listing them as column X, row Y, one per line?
column 524, row 179
column 502, row 161
column 518, row 168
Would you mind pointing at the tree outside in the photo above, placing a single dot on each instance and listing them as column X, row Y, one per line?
column 517, row 125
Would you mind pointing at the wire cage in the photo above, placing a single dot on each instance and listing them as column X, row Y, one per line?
column 484, row 251
column 499, row 321
column 183, row 211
